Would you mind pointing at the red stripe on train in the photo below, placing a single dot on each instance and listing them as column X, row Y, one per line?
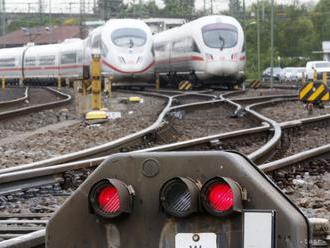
column 126, row 72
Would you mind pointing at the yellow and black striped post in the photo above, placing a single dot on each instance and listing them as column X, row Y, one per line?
column 185, row 85
column 96, row 82
column 314, row 91
column 255, row 84
column 3, row 80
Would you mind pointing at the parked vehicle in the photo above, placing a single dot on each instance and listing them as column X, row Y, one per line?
column 319, row 66
column 266, row 75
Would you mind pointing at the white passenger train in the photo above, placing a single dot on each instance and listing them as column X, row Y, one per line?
column 209, row 49
column 126, row 53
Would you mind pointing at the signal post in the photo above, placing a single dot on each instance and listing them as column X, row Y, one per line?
column 96, row 114
column 96, row 81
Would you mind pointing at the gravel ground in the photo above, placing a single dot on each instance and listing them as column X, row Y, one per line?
column 204, row 121
column 308, row 186
column 291, row 110
column 45, row 199
column 11, row 94
column 313, row 196
column 303, row 140
column 33, row 121
column 191, row 99
column 244, row 145
column 78, row 136
column 265, row 92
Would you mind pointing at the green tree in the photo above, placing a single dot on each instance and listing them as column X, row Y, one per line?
column 320, row 17
column 179, row 8
column 295, row 36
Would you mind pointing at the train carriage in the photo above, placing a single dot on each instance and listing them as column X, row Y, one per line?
column 71, row 61
column 125, row 46
column 209, row 49
column 41, row 61
column 11, row 62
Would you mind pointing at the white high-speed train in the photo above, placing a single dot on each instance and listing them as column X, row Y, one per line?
column 126, row 53
column 209, row 49
column 126, row 46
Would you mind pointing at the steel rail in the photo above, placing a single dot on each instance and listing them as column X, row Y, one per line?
column 34, row 239
column 81, row 154
column 94, row 162
column 17, row 100
column 97, row 149
column 261, row 98
column 264, row 152
column 296, row 158
column 121, row 141
column 38, row 107
column 101, row 149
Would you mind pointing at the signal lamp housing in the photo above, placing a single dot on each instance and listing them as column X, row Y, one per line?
column 179, row 197
column 221, row 196
column 109, row 198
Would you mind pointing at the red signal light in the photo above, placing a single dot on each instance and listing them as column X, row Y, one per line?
column 221, row 196
column 110, row 198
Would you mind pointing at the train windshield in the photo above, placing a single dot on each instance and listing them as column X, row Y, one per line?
column 220, row 35
column 129, row 37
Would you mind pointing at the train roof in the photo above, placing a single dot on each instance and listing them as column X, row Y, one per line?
column 44, row 49
column 198, row 23
column 7, row 52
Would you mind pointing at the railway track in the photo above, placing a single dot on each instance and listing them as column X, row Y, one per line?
column 12, row 96
column 31, row 102
column 55, row 173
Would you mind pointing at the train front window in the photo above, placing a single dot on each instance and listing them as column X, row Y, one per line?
column 220, row 35
column 129, row 37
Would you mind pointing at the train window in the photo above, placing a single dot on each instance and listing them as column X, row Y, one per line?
column 30, row 61
column 47, row 60
column 7, row 62
column 220, row 35
column 69, row 58
column 129, row 37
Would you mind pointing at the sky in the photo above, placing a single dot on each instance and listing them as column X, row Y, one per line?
column 62, row 6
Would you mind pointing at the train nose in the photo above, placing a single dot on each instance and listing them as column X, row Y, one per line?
column 222, row 68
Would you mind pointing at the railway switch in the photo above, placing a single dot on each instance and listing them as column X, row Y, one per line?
column 178, row 200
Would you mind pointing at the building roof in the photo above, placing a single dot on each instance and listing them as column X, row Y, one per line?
column 39, row 35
